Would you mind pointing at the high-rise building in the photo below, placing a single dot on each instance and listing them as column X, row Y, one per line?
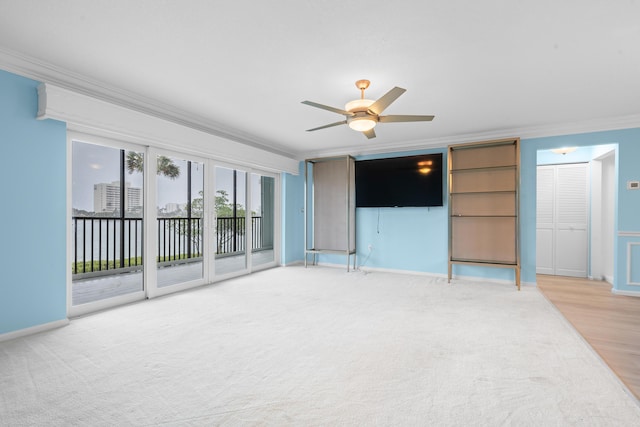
column 172, row 207
column 106, row 197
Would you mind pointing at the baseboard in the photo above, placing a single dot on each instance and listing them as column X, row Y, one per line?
column 424, row 273
column 626, row 293
column 33, row 330
column 411, row 272
column 492, row 280
column 293, row 263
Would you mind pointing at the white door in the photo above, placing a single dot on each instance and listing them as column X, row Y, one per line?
column 545, row 208
column 562, row 220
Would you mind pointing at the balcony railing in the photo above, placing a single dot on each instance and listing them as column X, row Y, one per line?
column 101, row 244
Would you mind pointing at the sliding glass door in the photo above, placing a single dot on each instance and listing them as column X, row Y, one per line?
column 180, row 226
column 106, row 223
column 262, row 220
column 203, row 222
column 231, row 221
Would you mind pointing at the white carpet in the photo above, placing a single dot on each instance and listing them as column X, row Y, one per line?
column 317, row 346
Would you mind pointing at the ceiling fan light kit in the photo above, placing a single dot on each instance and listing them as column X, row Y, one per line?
column 362, row 114
column 564, row 150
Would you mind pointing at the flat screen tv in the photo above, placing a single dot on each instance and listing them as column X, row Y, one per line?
column 399, row 181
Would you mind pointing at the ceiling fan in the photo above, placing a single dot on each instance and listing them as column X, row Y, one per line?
column 363, row 114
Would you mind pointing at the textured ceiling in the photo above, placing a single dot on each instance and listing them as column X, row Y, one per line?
column 487, row 68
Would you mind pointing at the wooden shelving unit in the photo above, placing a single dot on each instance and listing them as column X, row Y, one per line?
column 330, row 208
column 484, row 188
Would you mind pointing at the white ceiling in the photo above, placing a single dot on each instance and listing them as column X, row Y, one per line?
column 241, row 68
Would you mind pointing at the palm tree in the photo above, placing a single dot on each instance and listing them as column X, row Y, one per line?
column 166, row 167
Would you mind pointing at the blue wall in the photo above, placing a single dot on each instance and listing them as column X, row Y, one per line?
column 33, row 215
column 293, row 217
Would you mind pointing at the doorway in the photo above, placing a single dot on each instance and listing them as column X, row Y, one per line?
column 562, row 219
column 601, row 188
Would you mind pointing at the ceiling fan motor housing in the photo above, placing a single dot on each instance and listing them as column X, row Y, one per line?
column 362, row 120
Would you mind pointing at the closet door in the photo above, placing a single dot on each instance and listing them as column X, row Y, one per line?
column 545, row 217
column 571, row 220
column 562, row 219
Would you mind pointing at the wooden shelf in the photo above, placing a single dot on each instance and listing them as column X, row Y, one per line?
column 483, row 216
column 480, row 262
column 482, row 169
column 483, row 205
column 482, row 192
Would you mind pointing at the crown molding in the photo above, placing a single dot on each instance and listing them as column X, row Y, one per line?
column 578, row 127
column 44, row 72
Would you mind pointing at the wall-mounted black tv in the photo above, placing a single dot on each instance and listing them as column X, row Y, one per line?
column 399, row 181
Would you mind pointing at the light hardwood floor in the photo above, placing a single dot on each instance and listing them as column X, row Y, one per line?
column 609, row 323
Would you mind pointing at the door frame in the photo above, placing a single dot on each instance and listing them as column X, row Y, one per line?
column 607, row 150
column 599, row 243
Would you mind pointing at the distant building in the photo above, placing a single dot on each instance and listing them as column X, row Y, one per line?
column 106, row 197
column 172, row 207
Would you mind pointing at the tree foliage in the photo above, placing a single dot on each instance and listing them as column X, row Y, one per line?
column 166, row 167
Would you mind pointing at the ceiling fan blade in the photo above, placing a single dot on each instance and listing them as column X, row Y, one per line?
column 404, row 118
column 343, row 122
column 326, row 107
column 369, row 133
column 381, row 104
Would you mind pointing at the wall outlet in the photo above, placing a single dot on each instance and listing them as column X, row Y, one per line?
column 633, row 185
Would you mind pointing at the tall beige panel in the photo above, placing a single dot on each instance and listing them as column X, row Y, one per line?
column 330, row 229
column 330, row 204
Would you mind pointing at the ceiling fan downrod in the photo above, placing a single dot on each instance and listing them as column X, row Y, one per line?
column 362, row 85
